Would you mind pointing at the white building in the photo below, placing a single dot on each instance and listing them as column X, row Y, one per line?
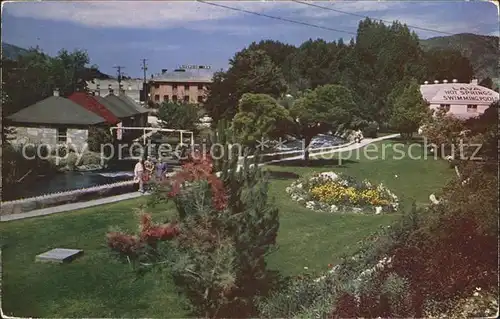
column 132, row 88
column 463, row 100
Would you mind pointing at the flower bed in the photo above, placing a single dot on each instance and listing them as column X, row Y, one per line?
column 333, row 192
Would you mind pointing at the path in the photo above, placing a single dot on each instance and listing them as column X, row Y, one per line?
column 114, row 199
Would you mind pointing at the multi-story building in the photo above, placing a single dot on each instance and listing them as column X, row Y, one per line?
column 130, row 87
column 179, row 86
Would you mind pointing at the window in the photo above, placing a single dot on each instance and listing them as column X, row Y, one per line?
column 157, row 97
column 446, row 107
column 174, row 98
column 471, row 108
column 157, row 85
column 62, row 135
column 186, row 98
column 200, row 98
column 186, row 87
column 165, row 98
column 174, row 86
column 200, row 86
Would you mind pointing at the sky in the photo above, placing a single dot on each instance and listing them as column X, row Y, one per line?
column 174, row 33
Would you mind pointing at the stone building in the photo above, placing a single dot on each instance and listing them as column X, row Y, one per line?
column 53, row 121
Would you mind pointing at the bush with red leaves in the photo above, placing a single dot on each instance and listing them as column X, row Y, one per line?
column 199, row 168
column 150, row 235
column 125, row 244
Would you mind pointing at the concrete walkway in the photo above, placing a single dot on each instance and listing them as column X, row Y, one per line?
column 114, row 199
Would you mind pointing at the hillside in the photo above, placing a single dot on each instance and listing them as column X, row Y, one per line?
column 481, row 50
column 12, row 52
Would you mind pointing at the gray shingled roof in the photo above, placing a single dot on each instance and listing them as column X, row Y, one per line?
column 126, row 104
column 56, row 110
column 118, row 109
column 188, row 76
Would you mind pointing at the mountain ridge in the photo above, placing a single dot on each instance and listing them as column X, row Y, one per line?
column 481, row 50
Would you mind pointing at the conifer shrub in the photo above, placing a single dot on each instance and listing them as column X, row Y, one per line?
column 226, row 227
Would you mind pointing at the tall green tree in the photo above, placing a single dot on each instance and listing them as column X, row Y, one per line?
column 34, row 76
column 327, row 108
column 446, row 64
column 385, row 55
column 259, row 117
column 251, row 71
column 410, row 110
column 182, row 116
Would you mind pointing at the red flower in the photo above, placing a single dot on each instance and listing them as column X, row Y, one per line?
column 197, row 169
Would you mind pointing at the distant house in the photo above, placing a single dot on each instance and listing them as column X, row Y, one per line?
column 54, row 121
column 130, row 87
column 462, row 100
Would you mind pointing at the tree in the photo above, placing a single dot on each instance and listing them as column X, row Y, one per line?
column 328, row 107
column 259, row 116
column 447, row 64
column 389, row 54
column 487, row 83
column 251, row 71
column 97, row 137
column 179, row 116
column 409, row 111
column 35, row 75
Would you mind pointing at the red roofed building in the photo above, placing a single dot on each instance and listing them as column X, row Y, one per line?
column 91, row 103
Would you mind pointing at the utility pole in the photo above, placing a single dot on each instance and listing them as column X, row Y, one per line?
column 119, row 71
column 145, row 89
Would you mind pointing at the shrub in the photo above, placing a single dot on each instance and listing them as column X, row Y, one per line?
column 371, row 130
column 133, row 246
column 98, row 136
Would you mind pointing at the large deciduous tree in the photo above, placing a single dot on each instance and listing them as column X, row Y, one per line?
column 327, row 108
column 179, row 115
column 409, row 111
column 251, row 71
column 34, row 76
column 447, row 64
column 259, row 117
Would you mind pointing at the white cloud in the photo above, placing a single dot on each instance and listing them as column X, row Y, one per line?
column 162, row 14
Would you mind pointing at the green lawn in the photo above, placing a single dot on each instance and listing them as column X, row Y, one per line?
column 98, row 286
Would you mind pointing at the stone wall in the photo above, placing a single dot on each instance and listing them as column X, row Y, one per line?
column 48, row 136
column 25, row 135
column 78, row 137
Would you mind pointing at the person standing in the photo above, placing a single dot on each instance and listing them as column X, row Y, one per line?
column 148, row 170
column 161, row 170
column 139, row 174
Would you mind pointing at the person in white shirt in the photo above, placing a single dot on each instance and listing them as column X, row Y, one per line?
column 139, row 174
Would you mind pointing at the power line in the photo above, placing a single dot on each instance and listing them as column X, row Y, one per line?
column 363, row 16
column 277, row 18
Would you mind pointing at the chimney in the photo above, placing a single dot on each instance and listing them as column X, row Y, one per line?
column 445, row 81
column 474, row 81
column 56, row 92
column 455, row 81
column 436, row 81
